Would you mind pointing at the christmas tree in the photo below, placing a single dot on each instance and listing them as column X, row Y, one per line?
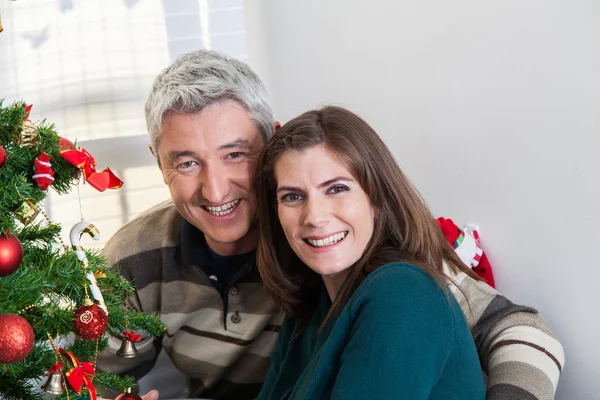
column 50, row 291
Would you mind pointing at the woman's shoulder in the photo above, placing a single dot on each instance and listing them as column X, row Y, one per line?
column 399, row 284
column 397, row 274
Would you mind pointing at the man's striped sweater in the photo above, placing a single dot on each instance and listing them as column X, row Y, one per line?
column 223, row 344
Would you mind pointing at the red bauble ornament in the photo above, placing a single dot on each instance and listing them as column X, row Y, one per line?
column 65, row 144
column 16, row 338
column 90, row 321
column 2, row 156
column 11, row 254
column 130, row 396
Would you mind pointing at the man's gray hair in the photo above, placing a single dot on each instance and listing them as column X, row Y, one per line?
column 199, row 79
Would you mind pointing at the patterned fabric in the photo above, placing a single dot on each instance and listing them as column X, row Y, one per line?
column 520, row 354
column 517, row 350
column 225, row 353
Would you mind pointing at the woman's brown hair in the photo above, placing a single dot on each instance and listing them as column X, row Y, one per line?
column 404, row 228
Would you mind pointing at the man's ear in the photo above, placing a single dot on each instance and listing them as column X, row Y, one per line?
column 276, row 125
column 157, row 160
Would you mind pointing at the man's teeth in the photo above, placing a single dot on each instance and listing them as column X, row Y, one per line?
column 328, row 241
column 224, row 209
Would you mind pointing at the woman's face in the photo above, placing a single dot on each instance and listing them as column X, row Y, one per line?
column 325, row 214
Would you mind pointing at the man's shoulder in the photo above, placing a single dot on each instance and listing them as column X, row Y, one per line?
column 155, row 228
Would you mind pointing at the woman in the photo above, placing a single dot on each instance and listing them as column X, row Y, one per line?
column 351, row 253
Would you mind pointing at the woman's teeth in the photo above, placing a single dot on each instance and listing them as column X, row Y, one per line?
column 328, row 241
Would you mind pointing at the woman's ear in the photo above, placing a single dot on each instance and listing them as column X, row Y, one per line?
column 376, row 213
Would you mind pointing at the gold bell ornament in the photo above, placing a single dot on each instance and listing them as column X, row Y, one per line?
column 127, row 349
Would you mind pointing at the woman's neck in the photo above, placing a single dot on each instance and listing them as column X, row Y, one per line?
column 333, row 283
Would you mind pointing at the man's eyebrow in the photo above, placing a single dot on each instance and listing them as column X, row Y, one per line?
column 236, row 144
column 322, row 185
column 177, row 154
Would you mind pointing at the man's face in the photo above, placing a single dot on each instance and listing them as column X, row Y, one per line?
column 208, row 161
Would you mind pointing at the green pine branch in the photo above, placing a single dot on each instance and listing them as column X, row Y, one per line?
column 50, row 283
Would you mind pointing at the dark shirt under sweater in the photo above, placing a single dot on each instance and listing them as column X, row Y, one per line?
column 221, row 270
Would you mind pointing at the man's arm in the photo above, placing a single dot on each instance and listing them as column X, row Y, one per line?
column 279, row 352
column 147, row 348
column 520, row 354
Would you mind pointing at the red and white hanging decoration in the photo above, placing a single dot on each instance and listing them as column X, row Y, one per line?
column 43, row 174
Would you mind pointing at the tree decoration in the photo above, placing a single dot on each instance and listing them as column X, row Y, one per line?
column 130, row 396
column 43, row 174
column 82, row 159
column 16, row 338
column 75, row 235
column 55, row 384
column 81, row 374
column 52, row 278
column 28, row 136
column 65, row 144
column 89, row 321
column 127, row 349
column 11, row 254
column 2, row 157
column 130, row 338
column 27, row 212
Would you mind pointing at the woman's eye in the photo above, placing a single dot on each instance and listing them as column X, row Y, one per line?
column 338, row 188
column 290, row 197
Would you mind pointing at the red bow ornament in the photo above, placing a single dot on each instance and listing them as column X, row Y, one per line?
column 43, row 174
column 79, row 375
column 27, row 111
column 132, row 336
column 83, row 160
column 57, row 367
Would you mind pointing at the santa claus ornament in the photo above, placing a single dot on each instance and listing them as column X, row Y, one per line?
column 43, row 174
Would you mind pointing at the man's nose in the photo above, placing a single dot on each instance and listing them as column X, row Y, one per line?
column 215, row 185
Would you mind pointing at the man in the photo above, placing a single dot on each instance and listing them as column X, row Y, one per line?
column 193, row 261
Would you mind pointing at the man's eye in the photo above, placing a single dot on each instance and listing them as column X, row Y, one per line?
column 338, row 189
column 235, row 154
column 186, row 165
column 291, row 197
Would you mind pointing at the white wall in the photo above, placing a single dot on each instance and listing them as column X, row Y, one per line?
column 492, row 108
